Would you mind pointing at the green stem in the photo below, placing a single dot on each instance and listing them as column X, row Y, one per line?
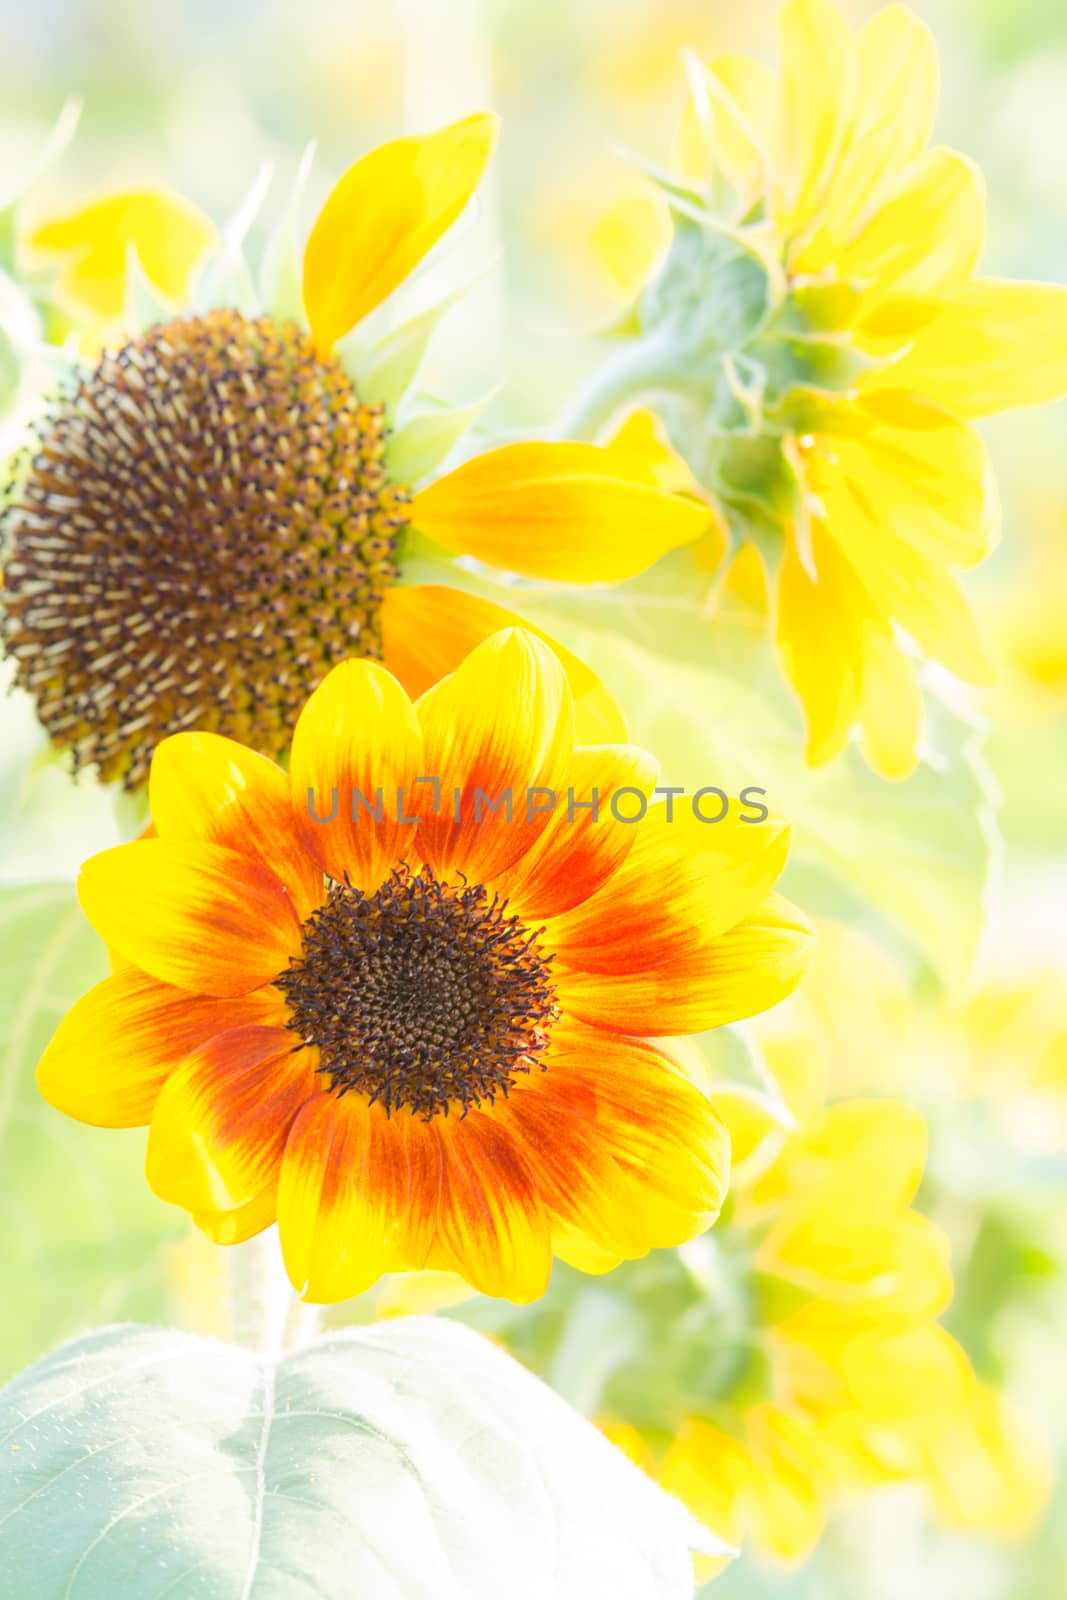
column 264, row 1313
column 636, row 371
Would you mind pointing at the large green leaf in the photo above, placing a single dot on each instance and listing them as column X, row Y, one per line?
column 81, row 1233
column 409, row 1461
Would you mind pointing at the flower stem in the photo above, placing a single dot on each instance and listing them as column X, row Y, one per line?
column 265, row 1315
column 637, row 370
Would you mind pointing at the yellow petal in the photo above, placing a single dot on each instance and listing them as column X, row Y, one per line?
column 990, row 1468
column 220, row 1123
column 580, row 512
column 205, row 788
column 820, row 639
column 169, row 233
column 383, row 216
column 925, row 474
column 358, row 1195
column 892, row 710
column 239, row 1223
column 995, row 346
column 428, row 629
column 357, row 751
column 818, row 69
column 118, row 1045
column 924, row 242
column 908, row 586
column 501, row 725
column 788, row 1497
column 630, row 238
column 895, row 104
column 865, row 1162
column 731, row 129
column 195, row 915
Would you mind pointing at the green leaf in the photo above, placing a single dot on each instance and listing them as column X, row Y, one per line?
column 423, row 443
column 226, row 279
column 82, row 1232
column 408, row 1461
column 145, row 305
column 282, row 269
column 395, row 361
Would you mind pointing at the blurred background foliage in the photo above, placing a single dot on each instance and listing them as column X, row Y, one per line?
column 199, row 95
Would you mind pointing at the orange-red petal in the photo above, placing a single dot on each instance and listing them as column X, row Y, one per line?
column 501, row 725
column 115, row 1048
column 357, row 751
column 222, row 1119
column 703, row 984
column 629, row 1155
column 492, row 1223
column 206, row 788
column 358, row 1195
column 195, row 915
column 581, row 848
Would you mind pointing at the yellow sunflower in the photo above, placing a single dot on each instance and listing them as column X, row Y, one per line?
column 419, row 1032
column 837, row 1376
column 220, row 508
column 821, row 345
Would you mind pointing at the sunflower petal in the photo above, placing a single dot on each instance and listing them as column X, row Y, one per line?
column 492, row 1225
column 820, row 628
column 818, row 68
column 169, row 234
column 581, row 848
column 892, row 711
column 895, row 105
column 383, row 216
column 584, row 513
column 203, row 787
column 429, row 628
column 683, row 884
column 629, row 1155
column 358, row 1195
column 116, row 1047
column 500, row 726
column 194, row 915
column 357, row 751
column 241, row 1222
column 221, row 1121
column 747, row 970
column 996, row 345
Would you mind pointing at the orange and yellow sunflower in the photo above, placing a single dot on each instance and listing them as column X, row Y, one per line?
column 421, row 1031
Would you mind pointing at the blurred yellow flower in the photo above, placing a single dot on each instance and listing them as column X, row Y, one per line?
column 242, row 502
column 842, row 1377
column 839, row 413
column 87, row 250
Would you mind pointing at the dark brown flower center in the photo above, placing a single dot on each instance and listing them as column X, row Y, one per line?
column 426, row 994
column 205, row 529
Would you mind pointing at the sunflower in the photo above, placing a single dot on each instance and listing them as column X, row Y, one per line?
column 821, row 345
column 220, row 508
column 831, row 1373
column 421, row 1033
